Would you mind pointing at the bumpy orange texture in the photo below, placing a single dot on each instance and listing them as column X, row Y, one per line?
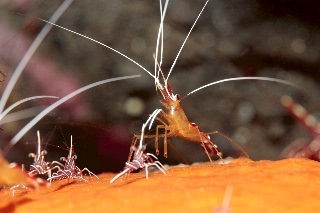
column 290, row 185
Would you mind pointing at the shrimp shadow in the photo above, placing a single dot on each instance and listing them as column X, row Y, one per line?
column 128, row 182
column 62, row 186
column 72, row 182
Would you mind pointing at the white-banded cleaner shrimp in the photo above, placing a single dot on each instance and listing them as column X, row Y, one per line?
column 140, row 158
column 70, row 170
column 40, row 166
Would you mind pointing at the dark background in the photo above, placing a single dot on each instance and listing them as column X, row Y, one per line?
column 232, row 38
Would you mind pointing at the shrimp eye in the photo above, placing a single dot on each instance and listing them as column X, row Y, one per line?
column 177, row 97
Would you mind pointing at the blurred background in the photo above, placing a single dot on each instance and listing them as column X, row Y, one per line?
column 236, row 38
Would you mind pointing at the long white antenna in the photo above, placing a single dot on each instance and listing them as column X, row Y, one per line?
column 241, row 79
column 22, row 114
column 6, row 111
column 185, row 40
column 160, row 36
column 35, row 44
column 39, row 144
column 151, row 118
column 102, row 44
column 28, row 126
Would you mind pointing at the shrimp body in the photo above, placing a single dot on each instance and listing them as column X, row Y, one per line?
column 69, row 170
column 141, row 160
column 40, row 166
column 177, row 124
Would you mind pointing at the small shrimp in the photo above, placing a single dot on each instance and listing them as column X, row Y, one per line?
column 70, row 170
column 141, row 160
column 301, row 147
column 40, row 166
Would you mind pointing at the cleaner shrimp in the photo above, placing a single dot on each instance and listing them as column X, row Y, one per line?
column 141, row 160
column 69, row 170
column 39, row 165
column 176, row 125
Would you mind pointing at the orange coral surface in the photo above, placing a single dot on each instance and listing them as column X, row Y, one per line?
column 290, row 185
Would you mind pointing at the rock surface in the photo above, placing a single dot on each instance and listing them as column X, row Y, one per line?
column 289, row 185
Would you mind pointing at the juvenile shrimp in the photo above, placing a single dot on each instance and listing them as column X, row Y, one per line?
column 141, row 159
column 302, row 147
column 69, row 170
column 40, row 166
